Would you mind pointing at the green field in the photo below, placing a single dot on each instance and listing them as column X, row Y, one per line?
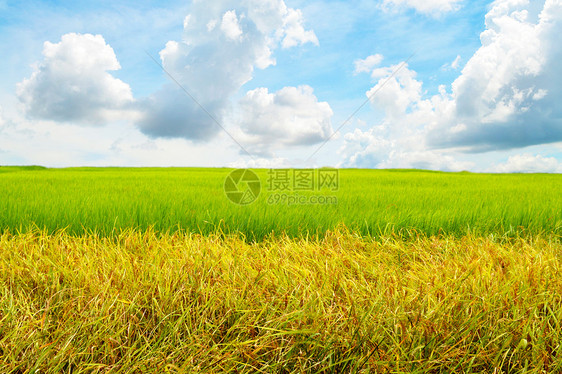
column 123, row 270
column 369, row 202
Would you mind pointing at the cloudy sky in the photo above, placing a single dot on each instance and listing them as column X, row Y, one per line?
column 431, row 84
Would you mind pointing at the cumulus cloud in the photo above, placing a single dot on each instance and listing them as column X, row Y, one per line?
column 432, row 7
column 291, row 116
column 365, row 149
column 230, row 26
column 367, row 65
column 399, row 140
column 507, row 95
column 400, row 94
column 528, row 163
column 376, row 148
column 73, row 83
column 221, row 46
column 295, row 34
column 170, row 113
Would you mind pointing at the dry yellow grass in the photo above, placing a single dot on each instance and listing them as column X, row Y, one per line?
column 146, row 302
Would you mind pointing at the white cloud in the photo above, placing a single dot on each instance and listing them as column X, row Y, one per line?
column 222, row 44
column 186, row 21
column 367, row 65
column 377, row 148
column 508, row 92
column 230, row 25
column 432, row 7
column 365, row 149
column 55, row 144
column 211, row 25
column 454, row 65
column 527, row 163
column 507, row 95
column 399, row 94
column 399, row 141
column 213, row 63
column 72, row 83
column 294, row 31
column 291, row 116
column 261, row 163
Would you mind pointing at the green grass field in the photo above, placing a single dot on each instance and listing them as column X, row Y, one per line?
column 370, row 203
column 110, row 270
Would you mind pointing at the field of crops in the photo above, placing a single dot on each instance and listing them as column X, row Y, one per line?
column 369, row 203
column 156, row 271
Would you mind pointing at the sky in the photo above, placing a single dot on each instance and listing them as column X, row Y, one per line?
column 447, row 85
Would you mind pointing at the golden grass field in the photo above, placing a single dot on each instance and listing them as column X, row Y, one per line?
column 143, row 301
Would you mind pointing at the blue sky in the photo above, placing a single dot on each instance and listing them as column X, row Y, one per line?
column 479, row 92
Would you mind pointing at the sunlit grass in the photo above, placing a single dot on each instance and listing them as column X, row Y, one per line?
column 154, row 270
column 140, row 301
column 370, row 202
